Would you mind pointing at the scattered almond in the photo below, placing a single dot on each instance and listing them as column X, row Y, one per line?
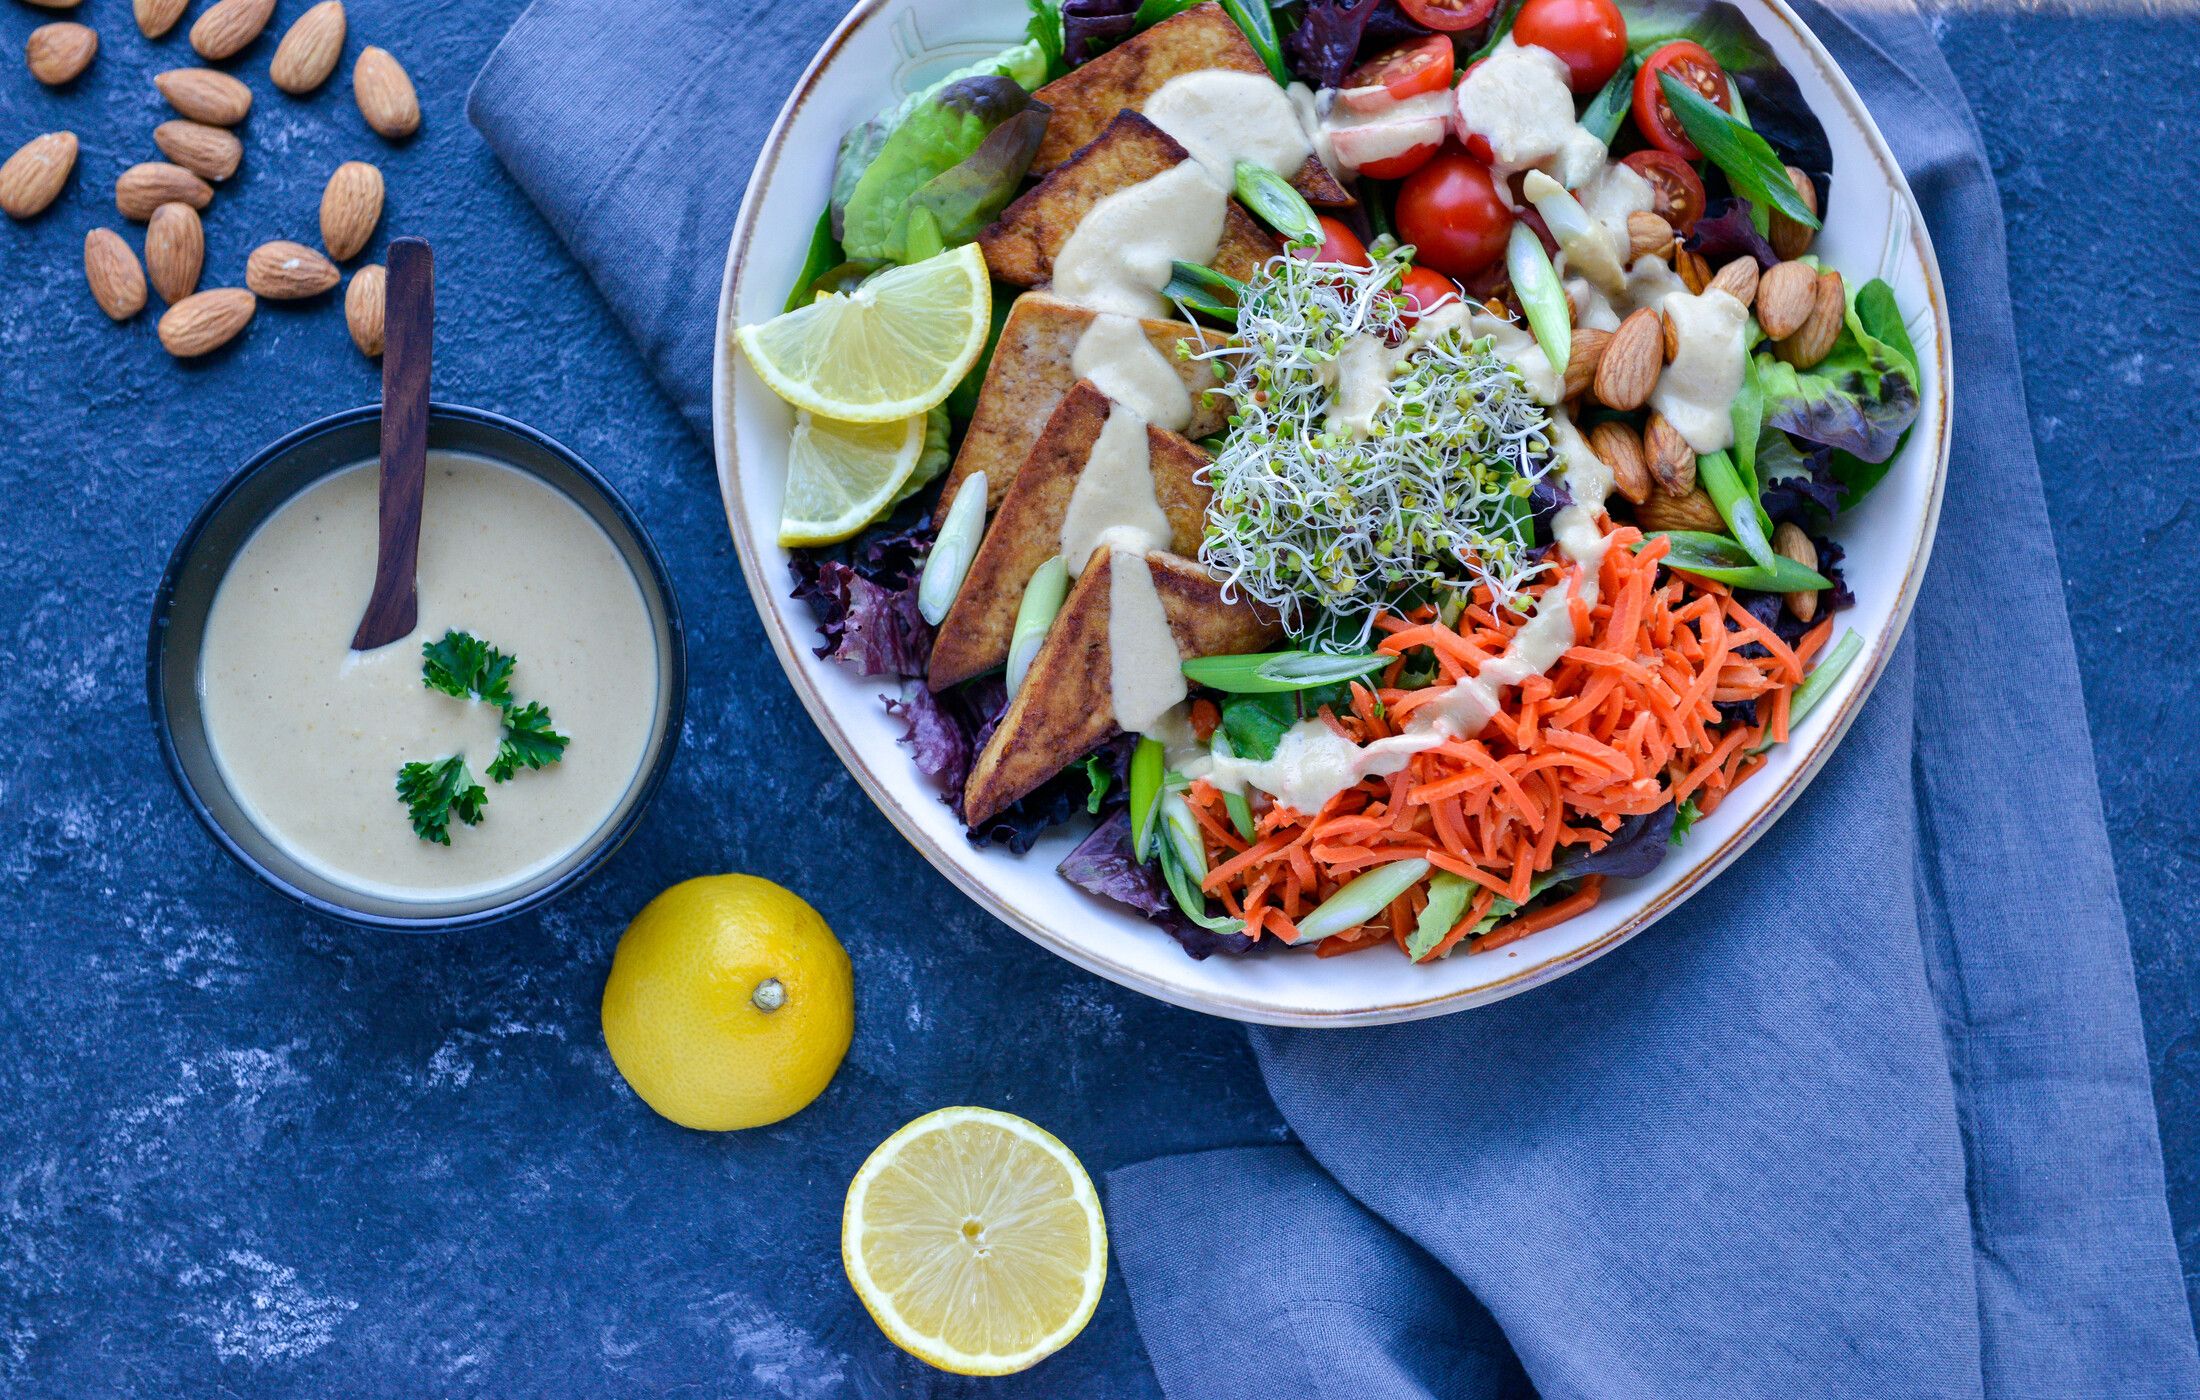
column 1738, row 279
column 1813, row 340
column 1788, row 238
column 1691, row 510
column 209, row 152
column 175, row 251
column 1581, row 362
column 1648, row 236
column 204, row 95
column 1670, row 459
column 309, row 52
column 363, row 303
column 118, row 283
column 1785, row 296
column 57, row 53
column 1790, row 542
column 1631, row 363
column 350, row 208
column 206, row 321
column 286, row 271
column 1695, row 272
column 225, row 29
column 1672, row 336
column 55, row 4
column 143, row 188
column 1618, row 447
column 386, row 96
column 34, row 175
column 157, row 17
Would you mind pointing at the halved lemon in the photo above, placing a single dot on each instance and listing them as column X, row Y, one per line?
column 890, row 349
column 975, row 1239
column 842, row 476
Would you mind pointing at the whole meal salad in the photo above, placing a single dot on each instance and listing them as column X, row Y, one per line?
column 1375, row 461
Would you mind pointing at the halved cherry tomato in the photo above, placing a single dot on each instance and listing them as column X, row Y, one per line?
column 1426, row 289
column 1418, row 66
column 1477, row 145
column 1388, row 150
column 1588, row 36
column 1674, row 183
column 1691, row 64
column 1449, row 210
column 1449, row 16
column 1339, row 245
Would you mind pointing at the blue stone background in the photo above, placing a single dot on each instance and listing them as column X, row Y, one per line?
column 245, row 1151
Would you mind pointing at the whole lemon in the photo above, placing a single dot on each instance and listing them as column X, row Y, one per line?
column 730, row 1003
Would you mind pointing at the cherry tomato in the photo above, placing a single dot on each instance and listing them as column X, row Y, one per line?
column 1449, row 210
column 1421, row 65
column 1588, row 36
column 1477, row 146
column 1449, row 16
column 1364, row 147
column 1426, row 289
column 1691, row 64
column 1339, row 245
column 1674, row 182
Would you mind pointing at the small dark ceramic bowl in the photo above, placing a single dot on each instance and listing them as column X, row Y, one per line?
column 211, row 543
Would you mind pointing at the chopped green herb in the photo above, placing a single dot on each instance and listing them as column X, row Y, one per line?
column 529, row 742
column 465, row 666
column 433, row 793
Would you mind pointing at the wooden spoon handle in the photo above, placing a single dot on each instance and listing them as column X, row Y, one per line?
column 393, row 610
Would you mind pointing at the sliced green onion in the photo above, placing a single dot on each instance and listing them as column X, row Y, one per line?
column 1182, row 830
column 953, row 549
column 1276, row 672
column 1378, row 211
column 1190, row 897
column 1535, row 282
column 1147, row 761
column 1727, row 142
column 1282, row 208
column 1748, row 416
column 1259, row 24
column 1587, row 243
column 1241, row 811
column 1152, row 12
column 1042, row 599
column 1447, row 904
column 1360, row 900
column 1721, row 560
column 1820, row 680
column 1609, row 108
column 1737, row 506
column 1204, row 290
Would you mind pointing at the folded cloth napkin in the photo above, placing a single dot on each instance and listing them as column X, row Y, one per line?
column 1870, row 1115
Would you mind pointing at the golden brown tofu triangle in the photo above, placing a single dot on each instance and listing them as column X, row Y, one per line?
column 1021, row 245
column 1027, row 531
column 1066, row 707
column 1203, row 37
column 1030, row 373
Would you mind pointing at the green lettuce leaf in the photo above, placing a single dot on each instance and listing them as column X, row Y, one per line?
column 1861, row 400
column 947, row 129
column 1026, row 64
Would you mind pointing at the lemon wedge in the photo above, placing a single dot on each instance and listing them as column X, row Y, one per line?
column 890, row 349
column 842, row 476
column 975, row 1239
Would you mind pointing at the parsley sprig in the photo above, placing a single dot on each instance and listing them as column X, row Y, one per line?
column 462, row 665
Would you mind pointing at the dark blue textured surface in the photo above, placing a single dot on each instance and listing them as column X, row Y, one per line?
column 248, row 1149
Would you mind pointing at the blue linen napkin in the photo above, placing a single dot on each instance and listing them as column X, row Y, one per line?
column 1870, row 1115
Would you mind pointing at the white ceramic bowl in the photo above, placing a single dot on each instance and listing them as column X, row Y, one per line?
column 1872, row 226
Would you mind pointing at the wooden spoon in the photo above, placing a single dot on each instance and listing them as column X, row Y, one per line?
column 393, row 609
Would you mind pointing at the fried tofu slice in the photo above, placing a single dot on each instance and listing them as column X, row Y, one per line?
column 1030, row 373
column 1203, row 37
column 974, row 636
column 1066, row 707
column 1021, row 245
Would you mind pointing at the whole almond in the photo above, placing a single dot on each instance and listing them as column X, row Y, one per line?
column 209, row 152
column 1648, row 236
column 1631, row 363
column 309, row 51
column 1695, row 272
column 363, row 303
column 204, row 95
column 1790, row 542
column 58, row 52
column 386, row 96
column 1788, row 238
column 34, row 175
column 224, row 30
column 1738, row 279
column 206, row 321
column 1671, row 460
column 286, row 271
column 143, row 188
column 350, row 208
column 55, row 4
column 1785, row 296
column 157, row 17
column 1813, row 340
column 175, row 251
column 117, row 282
column 1620, row 449
column 1581, row 363
column 1691, row 510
